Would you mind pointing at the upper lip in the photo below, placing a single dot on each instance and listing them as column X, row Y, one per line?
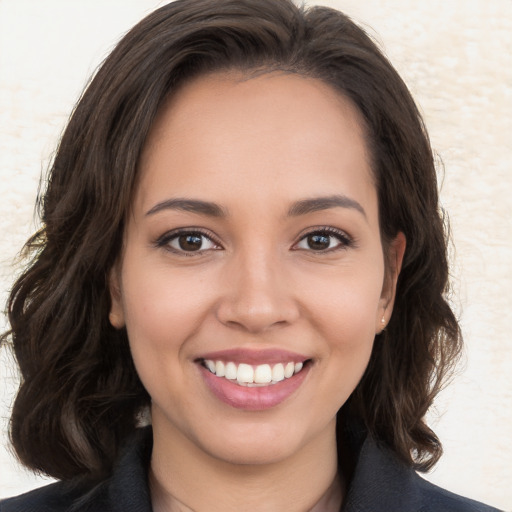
column 254, row 356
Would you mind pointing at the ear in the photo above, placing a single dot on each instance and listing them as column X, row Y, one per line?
column 116, row 315
column 393, row 259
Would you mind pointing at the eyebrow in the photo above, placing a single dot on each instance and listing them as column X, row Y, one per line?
column 189, row 205
column 316, row 204
column 298, row 208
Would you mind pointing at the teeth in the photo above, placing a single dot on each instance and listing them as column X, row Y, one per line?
column 263, row 374
column 248, row 375
column 220, row 369
column 245, row 373
column 231, row 371
column 278, row 372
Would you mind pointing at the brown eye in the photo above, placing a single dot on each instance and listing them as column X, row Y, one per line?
column 318, row 242
column 325, row 240
column 188, row 242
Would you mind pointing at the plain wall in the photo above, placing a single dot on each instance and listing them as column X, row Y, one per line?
column 456, row 58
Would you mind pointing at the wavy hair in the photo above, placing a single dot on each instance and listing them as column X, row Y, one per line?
column 80, row 395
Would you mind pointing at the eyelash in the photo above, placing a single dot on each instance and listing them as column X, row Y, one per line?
column 345, row 241
column 164, row 241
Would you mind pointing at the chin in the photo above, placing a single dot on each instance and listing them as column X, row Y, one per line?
column 256, row 455
column 253, row 446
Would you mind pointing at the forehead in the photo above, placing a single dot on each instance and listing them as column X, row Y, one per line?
column 273, row 131
column 234, row 96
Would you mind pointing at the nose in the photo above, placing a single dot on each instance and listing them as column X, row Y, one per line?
column 258, row 294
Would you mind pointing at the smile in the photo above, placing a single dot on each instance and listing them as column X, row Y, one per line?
column 253, row 375
column 253, row 380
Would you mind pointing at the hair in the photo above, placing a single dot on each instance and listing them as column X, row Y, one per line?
column 80, row 396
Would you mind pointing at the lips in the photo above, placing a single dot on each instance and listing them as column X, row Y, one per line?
column 253, row 380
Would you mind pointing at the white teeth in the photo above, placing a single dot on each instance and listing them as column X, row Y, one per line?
column 248, row 375
column 278, row 372
column 289, row 370
column 263, row 374
column 220, row 369
column 245, row 373
column 231, row 371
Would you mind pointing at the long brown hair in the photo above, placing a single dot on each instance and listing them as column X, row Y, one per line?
column 80, row 394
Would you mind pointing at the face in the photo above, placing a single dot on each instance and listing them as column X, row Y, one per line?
column 252, row 280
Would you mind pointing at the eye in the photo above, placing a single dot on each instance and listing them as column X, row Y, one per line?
column 324, row 240
column 187, row 242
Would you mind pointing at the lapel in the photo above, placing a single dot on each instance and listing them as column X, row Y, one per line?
column 381, row 483
column 129, row 489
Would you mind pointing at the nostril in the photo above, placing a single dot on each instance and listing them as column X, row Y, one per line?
column 255, row 318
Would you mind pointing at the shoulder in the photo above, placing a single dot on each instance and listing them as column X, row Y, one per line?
column 382, row 483
column 125, row 490
column 436, row 499
column 56, row 497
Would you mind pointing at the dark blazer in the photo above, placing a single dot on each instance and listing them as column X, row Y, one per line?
column 381, row 483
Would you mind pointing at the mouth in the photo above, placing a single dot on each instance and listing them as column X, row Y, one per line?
column 253, row 381
column 245, row 374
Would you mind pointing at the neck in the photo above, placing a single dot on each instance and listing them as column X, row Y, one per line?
column 183, row 478
column 164, row 501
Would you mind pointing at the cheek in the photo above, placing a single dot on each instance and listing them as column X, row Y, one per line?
column 158, row 303
column 344, row 307
column 343, row 313
column 162, row 312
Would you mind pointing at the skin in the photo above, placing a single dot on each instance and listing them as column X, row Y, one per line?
column 254, row 146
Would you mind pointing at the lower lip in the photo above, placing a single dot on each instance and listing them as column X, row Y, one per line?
column 257, row 398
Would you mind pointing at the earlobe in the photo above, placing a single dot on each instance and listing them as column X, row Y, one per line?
column 116, row 314
column 394, row 259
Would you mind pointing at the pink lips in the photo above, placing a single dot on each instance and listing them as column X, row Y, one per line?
column 270, row 356
column 253, row 398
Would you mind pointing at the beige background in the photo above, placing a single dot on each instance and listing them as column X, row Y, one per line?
column 456, row 57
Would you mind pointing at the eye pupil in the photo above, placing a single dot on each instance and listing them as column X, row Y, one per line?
column 190, row 242
column 318, row 242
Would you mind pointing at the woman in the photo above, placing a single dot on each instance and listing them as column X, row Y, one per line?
column 242, row 241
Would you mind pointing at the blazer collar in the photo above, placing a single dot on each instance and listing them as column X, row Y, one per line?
column 129, row 488
column 380, row 481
